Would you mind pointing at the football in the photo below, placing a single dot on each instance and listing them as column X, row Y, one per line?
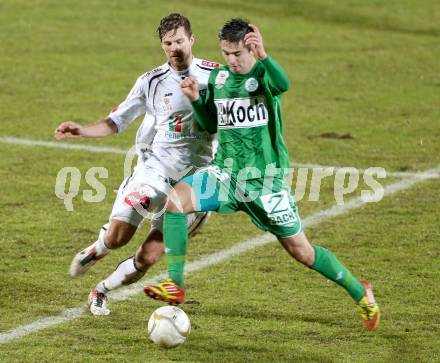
column 168, row 326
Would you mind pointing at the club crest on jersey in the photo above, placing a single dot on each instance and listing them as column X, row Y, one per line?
column 166, row 103
column 251, row 85
column 221, row 78
column 242, row 112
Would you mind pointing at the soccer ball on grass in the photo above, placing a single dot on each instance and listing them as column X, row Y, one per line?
column 168, row 326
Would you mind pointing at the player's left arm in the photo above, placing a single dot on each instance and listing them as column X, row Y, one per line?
column 200, row 104
column 276, row 75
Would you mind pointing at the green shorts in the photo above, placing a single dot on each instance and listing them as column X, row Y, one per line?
column 266, row 200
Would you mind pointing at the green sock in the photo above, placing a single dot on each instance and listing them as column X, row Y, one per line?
column 328, row 265
column 175, row 240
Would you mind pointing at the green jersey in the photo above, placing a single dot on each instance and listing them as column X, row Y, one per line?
column 245, row 111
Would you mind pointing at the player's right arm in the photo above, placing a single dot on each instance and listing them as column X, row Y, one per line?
column 276, row 76
column 71, row 129
column 202, row 106
column 117, row 121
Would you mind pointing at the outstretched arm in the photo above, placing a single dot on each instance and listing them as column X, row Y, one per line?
column 117, row 121
column 71, row 129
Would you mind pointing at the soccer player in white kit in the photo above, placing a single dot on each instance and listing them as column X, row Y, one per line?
column 170, row 145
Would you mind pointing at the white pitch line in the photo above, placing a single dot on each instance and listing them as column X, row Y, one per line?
column 397, row 174
column 62, row 145
column 216, row 257
column 114, row 150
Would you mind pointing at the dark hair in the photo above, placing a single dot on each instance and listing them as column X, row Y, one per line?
column 234, row 30
column 173, row 22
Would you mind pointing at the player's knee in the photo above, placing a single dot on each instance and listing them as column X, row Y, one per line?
column 119, row 234
column 114, row 240
column 146, row 260
column 148, row 254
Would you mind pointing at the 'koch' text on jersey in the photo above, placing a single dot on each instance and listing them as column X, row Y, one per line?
column 243, row 112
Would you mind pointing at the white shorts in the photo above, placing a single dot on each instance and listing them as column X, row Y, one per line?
column 143, row 195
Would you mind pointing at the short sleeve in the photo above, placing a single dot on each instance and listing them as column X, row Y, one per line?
column 132, row 107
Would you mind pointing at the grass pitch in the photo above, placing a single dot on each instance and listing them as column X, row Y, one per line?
column 366, row 69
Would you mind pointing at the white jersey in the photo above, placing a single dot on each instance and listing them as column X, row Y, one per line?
column 169, row 139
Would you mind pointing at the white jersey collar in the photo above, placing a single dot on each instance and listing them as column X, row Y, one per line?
column 185, row 73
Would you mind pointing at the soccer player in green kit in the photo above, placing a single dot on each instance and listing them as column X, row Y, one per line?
column 243, row 105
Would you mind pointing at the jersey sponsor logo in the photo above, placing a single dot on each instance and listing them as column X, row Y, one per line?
column 175, row 122
column 278, row 209
column 182, row 122
column 209, row 64
column 242, row 112
column 221, row 78
column 251, row 85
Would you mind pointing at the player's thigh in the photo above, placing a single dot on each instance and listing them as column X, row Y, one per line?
column 140, row 196
column 181, row 198
column 202, row 190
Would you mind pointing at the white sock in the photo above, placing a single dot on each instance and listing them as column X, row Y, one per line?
column 125, row 274
column 101, row 247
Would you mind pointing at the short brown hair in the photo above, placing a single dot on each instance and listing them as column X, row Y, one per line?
column 173, row 22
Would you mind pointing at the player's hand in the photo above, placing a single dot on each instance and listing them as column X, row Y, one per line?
column 68, row 130
column 190, row 88
column 255, row 40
